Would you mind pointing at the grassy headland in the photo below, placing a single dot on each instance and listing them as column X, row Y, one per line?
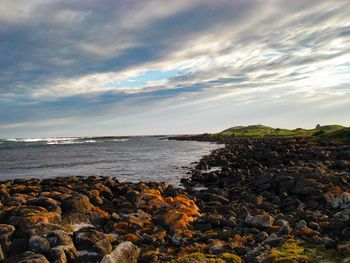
column 326, row 132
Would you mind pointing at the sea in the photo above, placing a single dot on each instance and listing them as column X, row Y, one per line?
column 133, row 159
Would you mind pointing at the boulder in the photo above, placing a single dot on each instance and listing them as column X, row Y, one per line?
column 27, row 257
column 92, row 241
column 39, row 244
column 125, row 252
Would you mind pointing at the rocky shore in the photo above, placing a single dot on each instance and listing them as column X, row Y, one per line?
column 254, row 200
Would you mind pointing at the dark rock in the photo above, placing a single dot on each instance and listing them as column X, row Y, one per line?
column 27, row 257
column 92, row 240
column 39, row 244
column 264, row 179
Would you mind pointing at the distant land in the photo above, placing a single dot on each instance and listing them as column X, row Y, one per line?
column 325, row 132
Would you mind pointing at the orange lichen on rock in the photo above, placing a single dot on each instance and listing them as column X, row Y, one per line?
column 103, row 213
column 179, row 210
column 132, row 238
column 121, row 227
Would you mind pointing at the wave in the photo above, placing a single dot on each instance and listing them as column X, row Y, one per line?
column 119, row 140
column 50, row 139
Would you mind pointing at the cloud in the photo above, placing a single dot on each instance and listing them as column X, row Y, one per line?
column 112, row 60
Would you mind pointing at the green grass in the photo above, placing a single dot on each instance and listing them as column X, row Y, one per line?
column 326, row 132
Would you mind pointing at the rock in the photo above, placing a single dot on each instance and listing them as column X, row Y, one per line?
column 39, row 244
column 176, row 239
column 131, row 195
column 329, row 243
column 216, row 249
column 78, row 203
column 260, row 221
column 25, row 216
column 262, row 236
column 62, row 241
column 57, row 255
column 92, row 241
column 125, row 252
column 344, row 248
column 264, row 179
column 314, row 226
column 242, row 213
column 346, row 233
column 341, row 200
column 301, row 224
column 6, row 232
column 27, row 257
column 42, row 229
column 42, row 201
column 284, row 230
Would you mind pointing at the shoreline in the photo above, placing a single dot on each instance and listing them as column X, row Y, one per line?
column 270, row 196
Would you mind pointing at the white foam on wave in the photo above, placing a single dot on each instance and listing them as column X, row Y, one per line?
column 119, row 140
column 49, row 139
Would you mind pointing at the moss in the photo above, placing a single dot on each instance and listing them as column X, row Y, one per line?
column 289, row 252
column 231, row 258
column 294, row 251
column 198, row 257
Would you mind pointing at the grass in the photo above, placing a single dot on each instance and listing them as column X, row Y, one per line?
column 326, row 132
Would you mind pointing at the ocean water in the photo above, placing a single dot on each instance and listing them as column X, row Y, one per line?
column 128, row 159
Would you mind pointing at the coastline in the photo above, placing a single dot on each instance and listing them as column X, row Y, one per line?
column 270, row 195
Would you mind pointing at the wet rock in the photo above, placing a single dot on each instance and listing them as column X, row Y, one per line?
column 125, row 252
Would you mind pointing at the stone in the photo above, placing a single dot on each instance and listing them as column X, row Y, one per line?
column 329, row 243
column 125, row 252
column 57, row 255
column 260, row 221
column 346, row 233
column 344, row 248
column 216, row 249
column 39, row 244
column 93, row 241
column 27, row 257
column 42, row 201
column 78, row 203
column 314, row 225
column 262, row 236
column 264, row 179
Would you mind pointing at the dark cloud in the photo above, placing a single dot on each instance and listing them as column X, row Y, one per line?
column 61, row 59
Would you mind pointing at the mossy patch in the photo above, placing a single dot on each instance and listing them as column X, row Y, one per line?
column 294, row 251
column 198, row 257
column 206, row 258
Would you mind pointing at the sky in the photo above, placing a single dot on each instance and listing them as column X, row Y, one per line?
column 135, row 67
